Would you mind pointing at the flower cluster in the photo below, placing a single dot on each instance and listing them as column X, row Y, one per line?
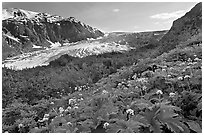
column 142, row 80
column 61, row 109
column 130, row 111
column 105, row 125
column 171, row 95
column 45, row 118
column 104, row 92
column 159, row 92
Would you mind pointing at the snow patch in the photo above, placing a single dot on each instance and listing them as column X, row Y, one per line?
column 13, row 38
column 35, row 46
column 54, row 45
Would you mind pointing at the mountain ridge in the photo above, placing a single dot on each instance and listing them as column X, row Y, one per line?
column 32, row 28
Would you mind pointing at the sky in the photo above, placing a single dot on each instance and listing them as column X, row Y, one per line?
column 114, row 16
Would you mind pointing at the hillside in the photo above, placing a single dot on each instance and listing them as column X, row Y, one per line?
column 187, row 28
column 154, row 88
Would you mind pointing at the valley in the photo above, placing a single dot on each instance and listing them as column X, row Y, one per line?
column 60, row 75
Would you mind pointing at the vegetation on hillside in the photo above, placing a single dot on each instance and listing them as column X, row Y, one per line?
column 153, row 95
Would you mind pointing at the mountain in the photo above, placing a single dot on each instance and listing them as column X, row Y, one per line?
column 25, row 31
column 188, row 28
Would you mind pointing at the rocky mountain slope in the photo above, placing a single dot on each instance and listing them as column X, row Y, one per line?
column 188, row 28
column 24, row 30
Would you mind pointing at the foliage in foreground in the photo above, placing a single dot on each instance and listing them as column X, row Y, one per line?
column 161, row 95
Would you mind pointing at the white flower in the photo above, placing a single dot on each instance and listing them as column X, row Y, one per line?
column 44, row 119
column 20, row 125
column 180, row 78
column 163, row 69
column 169, row 75
column 142, row 80
column 61, row 109
column 119, row 84
column 105, row 125
column 144, row 88
column 130, row 111
column 187, row 76
column 194, row 55
column 104, row 92
column 188, row 67
column 72, row 101
column 159, row 92
column 52, row 103
column 134, row 76
column 76, row 107
column 172, row 94
column 46, row 115
column 69, row 107
column 69, row 123
column 197, row 59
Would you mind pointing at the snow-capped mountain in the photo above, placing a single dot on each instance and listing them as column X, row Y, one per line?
column 17, row 13
column 33, row 39
column 40, row 29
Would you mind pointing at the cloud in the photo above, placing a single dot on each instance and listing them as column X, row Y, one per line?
column 136, row 27
column 172, row 15
column 116, row 10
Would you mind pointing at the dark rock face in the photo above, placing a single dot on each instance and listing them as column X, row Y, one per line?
column 42, row 28
column 184, row 28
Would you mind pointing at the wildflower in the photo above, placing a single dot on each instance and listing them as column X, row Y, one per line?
column 172, row 94
column 72, row 101
column 188, row 67
column 169, row 75
column 159, row 92
column 130, row 111
column 189, row 59
column 197, row 59
column 163, row 69
column 119, row 84
column 144, row 88
column 105, row 125
column 142, row 80
column 180, row 78
column 69, row 123
column 76, row 107
column 187, row 77
column 134, row 76
column 46, row 115
column 61, row 109
column 20, row 125
column 44, row 119
column 52, row 103
column 104, row 92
